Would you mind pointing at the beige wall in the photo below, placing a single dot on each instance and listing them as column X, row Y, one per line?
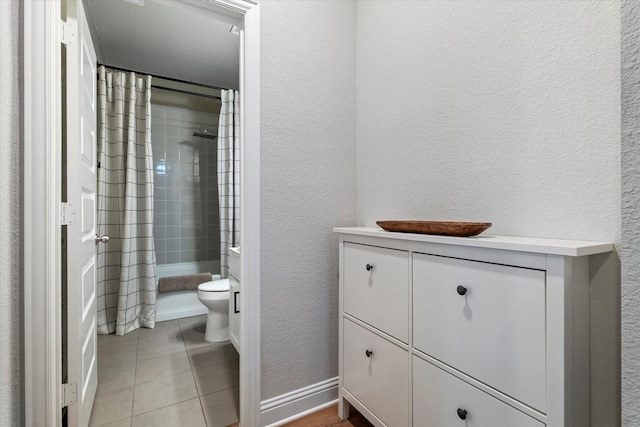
column 630, row 213
column 10, row 233
column 307, row 184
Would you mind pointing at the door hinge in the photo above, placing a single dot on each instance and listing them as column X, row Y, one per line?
column 67, row 33
column 67, row 214
column 69, row 394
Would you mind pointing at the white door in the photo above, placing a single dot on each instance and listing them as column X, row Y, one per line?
column 81, row 143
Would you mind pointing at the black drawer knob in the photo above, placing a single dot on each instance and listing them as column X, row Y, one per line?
column 461, row 290
column 462, row 414
column 369, row 267
column 368, row 353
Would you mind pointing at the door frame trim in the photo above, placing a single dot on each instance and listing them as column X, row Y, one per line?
column 42, row 197
column 41, row 217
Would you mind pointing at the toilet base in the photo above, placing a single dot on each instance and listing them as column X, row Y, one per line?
column 217, row 329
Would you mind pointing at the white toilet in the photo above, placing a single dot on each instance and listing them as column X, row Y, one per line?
column 215, row 296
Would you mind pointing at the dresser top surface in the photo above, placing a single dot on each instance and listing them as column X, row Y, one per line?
column 573, row 248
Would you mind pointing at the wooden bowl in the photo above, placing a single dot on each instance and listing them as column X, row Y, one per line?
column 441, row 228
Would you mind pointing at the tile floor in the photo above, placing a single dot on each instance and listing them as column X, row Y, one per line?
column 167, row 376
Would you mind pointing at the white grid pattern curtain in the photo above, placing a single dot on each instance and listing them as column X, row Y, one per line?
column 127, row 264
column 229, row 175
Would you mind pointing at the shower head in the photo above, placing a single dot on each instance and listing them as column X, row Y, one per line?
column 205, row 134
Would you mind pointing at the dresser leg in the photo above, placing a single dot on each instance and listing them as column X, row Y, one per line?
column 343, row 408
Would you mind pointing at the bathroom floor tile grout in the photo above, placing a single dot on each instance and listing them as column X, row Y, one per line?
column 217, row 391
column 202, row 409
column 135, row 375
column 167, row 406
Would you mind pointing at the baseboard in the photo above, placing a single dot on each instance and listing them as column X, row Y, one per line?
column 296, row 404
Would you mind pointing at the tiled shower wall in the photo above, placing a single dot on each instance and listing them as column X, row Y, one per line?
column 186, row 217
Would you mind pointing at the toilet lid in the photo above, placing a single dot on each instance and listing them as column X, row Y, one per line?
column 215, row 286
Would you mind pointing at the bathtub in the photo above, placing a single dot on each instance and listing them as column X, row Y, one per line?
column 179, row 304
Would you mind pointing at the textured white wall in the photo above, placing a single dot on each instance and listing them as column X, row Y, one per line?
column 307, row 184
column 10, row 302
column 506, row 112
column 630, row 213
column 494, row 111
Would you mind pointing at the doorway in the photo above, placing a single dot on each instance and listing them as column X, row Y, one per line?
column 42, row 388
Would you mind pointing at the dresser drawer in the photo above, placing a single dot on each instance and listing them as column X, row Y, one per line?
column 378, row 380
column 376, row 288
column 437, row 396
column 494, row 332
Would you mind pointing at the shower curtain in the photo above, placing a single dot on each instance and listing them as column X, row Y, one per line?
column 229, row 175
column 126, row 273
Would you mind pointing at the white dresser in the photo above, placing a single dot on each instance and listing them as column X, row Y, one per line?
column 483, row 331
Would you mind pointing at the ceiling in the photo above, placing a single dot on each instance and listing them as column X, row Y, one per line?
column 164, row 40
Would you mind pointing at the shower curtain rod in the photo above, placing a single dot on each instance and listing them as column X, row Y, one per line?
column 128, row 70
column 185, row 92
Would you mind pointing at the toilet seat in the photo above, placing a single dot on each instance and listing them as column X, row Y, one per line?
column 214, row 286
